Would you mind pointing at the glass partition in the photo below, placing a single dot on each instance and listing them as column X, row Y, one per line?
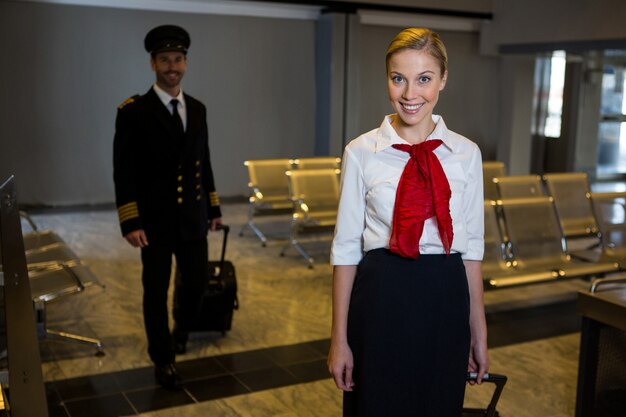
column 612, row 127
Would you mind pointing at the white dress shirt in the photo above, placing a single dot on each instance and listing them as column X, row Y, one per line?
column 167, row 101
column 371, row 169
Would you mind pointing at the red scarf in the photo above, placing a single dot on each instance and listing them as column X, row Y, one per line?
column 423, row 192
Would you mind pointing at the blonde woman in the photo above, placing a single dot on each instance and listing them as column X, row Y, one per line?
column 408, row 313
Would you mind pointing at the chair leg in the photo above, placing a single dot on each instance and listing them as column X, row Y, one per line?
column 294, row 242
column 257, row 232
column 70, row 337
column 304, row 253
column 253, row 227
column 44, row 333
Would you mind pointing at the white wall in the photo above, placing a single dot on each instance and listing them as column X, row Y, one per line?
column 68, row 67
column 540, row 21
column 478, row 6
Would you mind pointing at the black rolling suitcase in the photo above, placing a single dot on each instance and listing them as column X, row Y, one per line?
column 490, row 411
column 220, row 294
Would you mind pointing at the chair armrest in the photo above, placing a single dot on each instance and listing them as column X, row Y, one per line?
column 255, row 192
column 301, row 207
column 29, row 220
column 610, row 197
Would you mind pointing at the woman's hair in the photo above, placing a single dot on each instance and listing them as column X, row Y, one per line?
column 420, row 39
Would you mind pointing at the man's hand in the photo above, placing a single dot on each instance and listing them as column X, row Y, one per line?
column 137, row 238
column 215, row 222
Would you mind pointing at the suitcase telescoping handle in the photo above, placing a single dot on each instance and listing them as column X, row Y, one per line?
column 224, row 228
column 499, row 381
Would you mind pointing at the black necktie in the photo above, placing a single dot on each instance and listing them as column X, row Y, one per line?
column 177, row 120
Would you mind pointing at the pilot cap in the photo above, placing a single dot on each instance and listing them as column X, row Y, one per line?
column 167, row 38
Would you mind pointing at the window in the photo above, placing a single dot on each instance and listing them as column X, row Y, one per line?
column 548, row 100
column 612, row 128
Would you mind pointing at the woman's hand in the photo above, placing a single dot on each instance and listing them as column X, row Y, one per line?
column 340, row 360
column 340, row 365
column 478, row 360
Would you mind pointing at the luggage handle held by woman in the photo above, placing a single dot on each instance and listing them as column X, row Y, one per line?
column 499, row 381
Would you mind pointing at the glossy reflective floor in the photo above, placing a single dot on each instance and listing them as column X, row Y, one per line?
column 272, row 363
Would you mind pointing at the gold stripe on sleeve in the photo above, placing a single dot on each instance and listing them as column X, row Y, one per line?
column 215, row 200
column 128, row 211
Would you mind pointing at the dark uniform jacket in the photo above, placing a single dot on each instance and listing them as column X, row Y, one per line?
column 163, row 180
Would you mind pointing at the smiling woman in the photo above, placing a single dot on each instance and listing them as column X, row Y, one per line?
column 408, row 314
column 416, row 73
column 414, row 83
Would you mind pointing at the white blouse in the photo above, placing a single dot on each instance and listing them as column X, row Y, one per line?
column 371, row 169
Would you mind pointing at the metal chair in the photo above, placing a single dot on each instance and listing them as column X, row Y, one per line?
column 610, row 209
column 499, row 268
column 37, row 238
column 52, row 280
column 54, row 270
column 519, row 186
column 537, row 241
column 491, row 170
column 318, row 162
column 54, row 252
column 572, row 199
column 315, row 197
column 269, row 192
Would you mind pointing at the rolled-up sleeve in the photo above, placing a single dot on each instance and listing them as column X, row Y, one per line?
column 347, row 246
column 473, row 209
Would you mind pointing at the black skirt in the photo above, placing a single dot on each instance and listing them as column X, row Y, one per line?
column 408, row 328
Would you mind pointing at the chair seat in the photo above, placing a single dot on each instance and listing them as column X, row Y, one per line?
column 315, row 193
column 273, row 204
column 38, row 239
column 52, row 282
column 585, row 269
column 269, row 192
column 318, row 219
column 54, row 252
column 518, row 277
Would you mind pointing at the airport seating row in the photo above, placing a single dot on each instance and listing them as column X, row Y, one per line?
column 54, row 271
column 524, row 245
column 560, row 205
column 589, row 226
column 305, row 188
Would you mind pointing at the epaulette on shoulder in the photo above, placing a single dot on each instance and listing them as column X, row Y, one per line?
column 128, row 101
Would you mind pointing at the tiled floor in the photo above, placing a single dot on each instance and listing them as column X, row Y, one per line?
column 135, row 390
column 272, row 363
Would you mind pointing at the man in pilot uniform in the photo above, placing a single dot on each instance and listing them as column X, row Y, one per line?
column 165, row 194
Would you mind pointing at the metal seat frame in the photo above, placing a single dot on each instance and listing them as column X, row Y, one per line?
column 500, row 269
column 572, row 199
column 53, row 280
column 269, row 192
column 519, row 186
column 491, row 170
column 537, row 241
column 55, row 270
column 315, row 198
column 316, row 162
column 610, row 211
